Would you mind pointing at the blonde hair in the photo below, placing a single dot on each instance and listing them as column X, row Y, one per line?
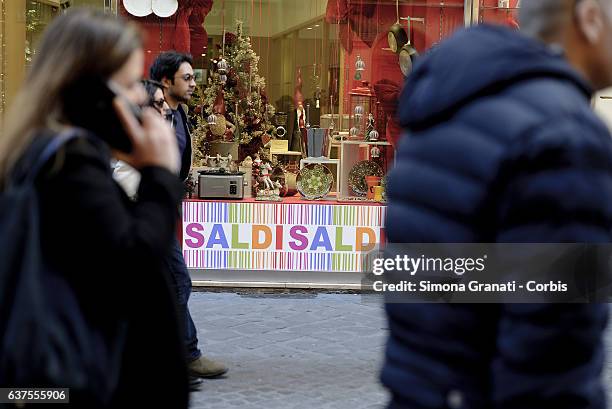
column 83, row 43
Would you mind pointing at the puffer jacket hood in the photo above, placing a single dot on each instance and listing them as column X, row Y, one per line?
column 509, row 57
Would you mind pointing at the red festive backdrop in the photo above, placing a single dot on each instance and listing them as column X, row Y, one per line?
column 363, row 27
column 184, row 31
column 363, row 32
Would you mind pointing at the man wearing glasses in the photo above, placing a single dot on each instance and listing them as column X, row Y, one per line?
column 175, row 72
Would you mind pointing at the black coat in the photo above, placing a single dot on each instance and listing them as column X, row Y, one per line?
column 111, row 251
column 188, row 152
column 501, row 145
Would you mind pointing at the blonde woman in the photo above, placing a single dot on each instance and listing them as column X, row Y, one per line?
column 109, row 249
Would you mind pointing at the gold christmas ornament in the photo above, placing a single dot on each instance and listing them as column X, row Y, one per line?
column 219, row 127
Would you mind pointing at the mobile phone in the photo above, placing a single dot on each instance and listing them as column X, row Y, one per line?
column 88, row 104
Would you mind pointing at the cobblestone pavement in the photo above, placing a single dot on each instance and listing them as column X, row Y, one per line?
column 293, row 351
column 289, row 351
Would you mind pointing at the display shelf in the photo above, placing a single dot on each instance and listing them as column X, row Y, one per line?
column 349, row 142
column 442, row 4
column 351, row 152
column 334, row 148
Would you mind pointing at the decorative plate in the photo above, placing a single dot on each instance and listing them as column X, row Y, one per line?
column 357, row 174
column 314, row 181
column 138, row 8
column 165, row 8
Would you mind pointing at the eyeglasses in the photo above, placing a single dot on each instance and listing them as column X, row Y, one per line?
column 159, row 104
column 188, row 77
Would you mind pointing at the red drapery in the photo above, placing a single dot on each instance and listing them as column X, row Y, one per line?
column 355, row 17
column 184, row 31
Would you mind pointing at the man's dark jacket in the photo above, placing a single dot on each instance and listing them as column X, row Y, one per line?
column 501, row 145
column 187, row 153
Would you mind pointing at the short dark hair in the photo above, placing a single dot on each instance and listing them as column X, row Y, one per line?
column 167, row 64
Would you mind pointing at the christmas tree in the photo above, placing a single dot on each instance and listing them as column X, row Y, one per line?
column 200, row 130
column 234, row 99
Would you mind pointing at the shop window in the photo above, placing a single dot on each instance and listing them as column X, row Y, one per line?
column 319, row 41
column 316, row 43
column 39, row 13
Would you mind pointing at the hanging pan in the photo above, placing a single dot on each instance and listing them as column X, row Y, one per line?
column 397, row 36
column 407, row 53
column 406, row 58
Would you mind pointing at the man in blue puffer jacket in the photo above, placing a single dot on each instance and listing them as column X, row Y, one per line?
column 501, row 145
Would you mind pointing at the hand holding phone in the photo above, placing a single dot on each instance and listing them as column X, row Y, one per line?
column 153, row 142
column 88, row 104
